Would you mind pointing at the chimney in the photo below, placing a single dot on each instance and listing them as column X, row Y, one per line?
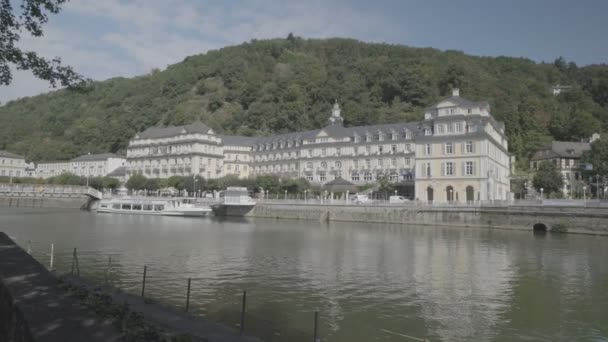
column 455, row 92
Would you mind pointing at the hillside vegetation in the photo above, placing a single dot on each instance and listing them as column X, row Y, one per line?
column 282, row 85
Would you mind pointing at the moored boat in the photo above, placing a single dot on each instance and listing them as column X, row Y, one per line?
column 145, row 206
column 234, row 201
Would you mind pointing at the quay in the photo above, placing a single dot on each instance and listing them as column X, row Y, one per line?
column 48, row 196
column 522, row 216
column 35, row 308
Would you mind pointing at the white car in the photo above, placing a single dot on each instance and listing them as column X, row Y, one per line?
column 397, row 199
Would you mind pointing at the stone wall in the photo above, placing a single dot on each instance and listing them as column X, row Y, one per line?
column 34, row 308
column 574, row 220
column 74, row 202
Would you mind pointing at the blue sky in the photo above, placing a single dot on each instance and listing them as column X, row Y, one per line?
column 108, row 38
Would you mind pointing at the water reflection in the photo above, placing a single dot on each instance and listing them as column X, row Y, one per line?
column 370, row 282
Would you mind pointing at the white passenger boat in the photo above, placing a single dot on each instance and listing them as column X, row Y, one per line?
column 234, row 201
column 146, row 206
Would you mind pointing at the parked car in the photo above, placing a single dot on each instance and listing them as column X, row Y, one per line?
column 397, row 199
column 359, row 199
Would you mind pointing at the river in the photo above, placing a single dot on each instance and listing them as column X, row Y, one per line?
column 369, row 282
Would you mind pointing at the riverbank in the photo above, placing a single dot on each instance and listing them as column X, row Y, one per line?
column 74, row 202
column 37, row 306
column 559, row 219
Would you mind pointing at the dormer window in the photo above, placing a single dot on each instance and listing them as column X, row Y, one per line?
column 393, row 136
column 368, row 137
column 453, row 110
column 428, row 131
column 380, row 136
column 356, row 138
column 183, row 131
column 439, row 129
column 450, row 128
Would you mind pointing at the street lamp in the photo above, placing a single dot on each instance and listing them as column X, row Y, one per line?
column 584, row 193
column 541, row 194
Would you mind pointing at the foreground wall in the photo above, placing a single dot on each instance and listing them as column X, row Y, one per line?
column 78, row 202
column 574, row 220
column 34, row 308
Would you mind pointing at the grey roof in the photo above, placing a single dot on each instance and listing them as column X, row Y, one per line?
column 8, row 154
column 120, row 171
column 235, row 140
column 165, row 132
column 95, row 157
column 564, row 149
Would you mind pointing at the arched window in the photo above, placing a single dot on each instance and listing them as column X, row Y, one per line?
column 338, row 165
column 449, row 193
column 470, row 194
column 324, row 165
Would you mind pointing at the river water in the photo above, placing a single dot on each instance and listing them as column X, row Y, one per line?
column 369, row 282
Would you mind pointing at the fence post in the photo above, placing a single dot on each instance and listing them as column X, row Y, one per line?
column 243, row 308
column 188, row 295
column 108, row 270
column 52, row 256
column 316, row 329
column 143, row 283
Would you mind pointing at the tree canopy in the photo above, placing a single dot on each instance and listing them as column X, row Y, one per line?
column 281, row 85
column 548, row 178
column 31, row 19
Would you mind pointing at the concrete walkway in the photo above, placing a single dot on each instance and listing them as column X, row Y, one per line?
column 171, row 319
column 34, row 308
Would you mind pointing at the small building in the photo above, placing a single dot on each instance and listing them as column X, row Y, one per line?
column 558, row 89
column 11, row 164
column 566, row 156
column 88, row 165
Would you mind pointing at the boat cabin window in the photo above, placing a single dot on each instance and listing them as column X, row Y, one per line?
column 148, row 207
column 159, row 207
column 115, row 206
column 136, row 206
column 126, row 206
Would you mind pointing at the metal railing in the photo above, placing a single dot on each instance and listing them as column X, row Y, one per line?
column 47, row 190
column 232, row 308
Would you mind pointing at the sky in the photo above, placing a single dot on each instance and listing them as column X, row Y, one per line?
column 108, row 38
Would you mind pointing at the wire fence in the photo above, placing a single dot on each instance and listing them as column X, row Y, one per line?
column 232, row 308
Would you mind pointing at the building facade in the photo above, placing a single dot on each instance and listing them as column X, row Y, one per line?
column 457, row 153
column 566, row 156
column 12, row 165
column 88, row 165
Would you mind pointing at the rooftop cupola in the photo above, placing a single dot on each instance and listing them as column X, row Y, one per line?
column 336, row 118
column 455, row 92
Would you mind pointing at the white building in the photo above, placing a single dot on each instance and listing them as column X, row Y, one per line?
column 88, row 165
column 460, row 151
column 12, row 165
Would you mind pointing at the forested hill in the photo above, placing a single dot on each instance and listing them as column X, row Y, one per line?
column 282, row 85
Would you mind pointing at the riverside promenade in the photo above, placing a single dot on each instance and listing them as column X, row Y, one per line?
column 563, row 217
column 35, row 307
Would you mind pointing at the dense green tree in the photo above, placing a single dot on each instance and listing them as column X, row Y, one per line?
column 597, row 157
column 151, row 184
column 280, row 85
column 176, row 182
column 31, row 19
column 136, row 182
column 548, row 178
column 66, row 179
column 110, row 183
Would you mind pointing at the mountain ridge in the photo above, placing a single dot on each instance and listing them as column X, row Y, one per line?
column 281, row 85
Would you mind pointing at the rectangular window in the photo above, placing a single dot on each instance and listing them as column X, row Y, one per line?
column 356, row 149
column 459, row 127
column 449, row 148
column 393, row 162
column 449, row 168
column 323, row 152
column 367, row 163
column 368, row 149
column 322, row 177
column 393, row 136
column 356, row 163
column 427, row 170
column 355, row 177
column 439, row 129
column 380, row 149
column 394, row 148
column 408, row 147
column 367, row 177
column 468, row 147
column 468, row 168
column 380, row 162
column 407, row 161
column 450, row 128
column 428, row 149
column 428, row 131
